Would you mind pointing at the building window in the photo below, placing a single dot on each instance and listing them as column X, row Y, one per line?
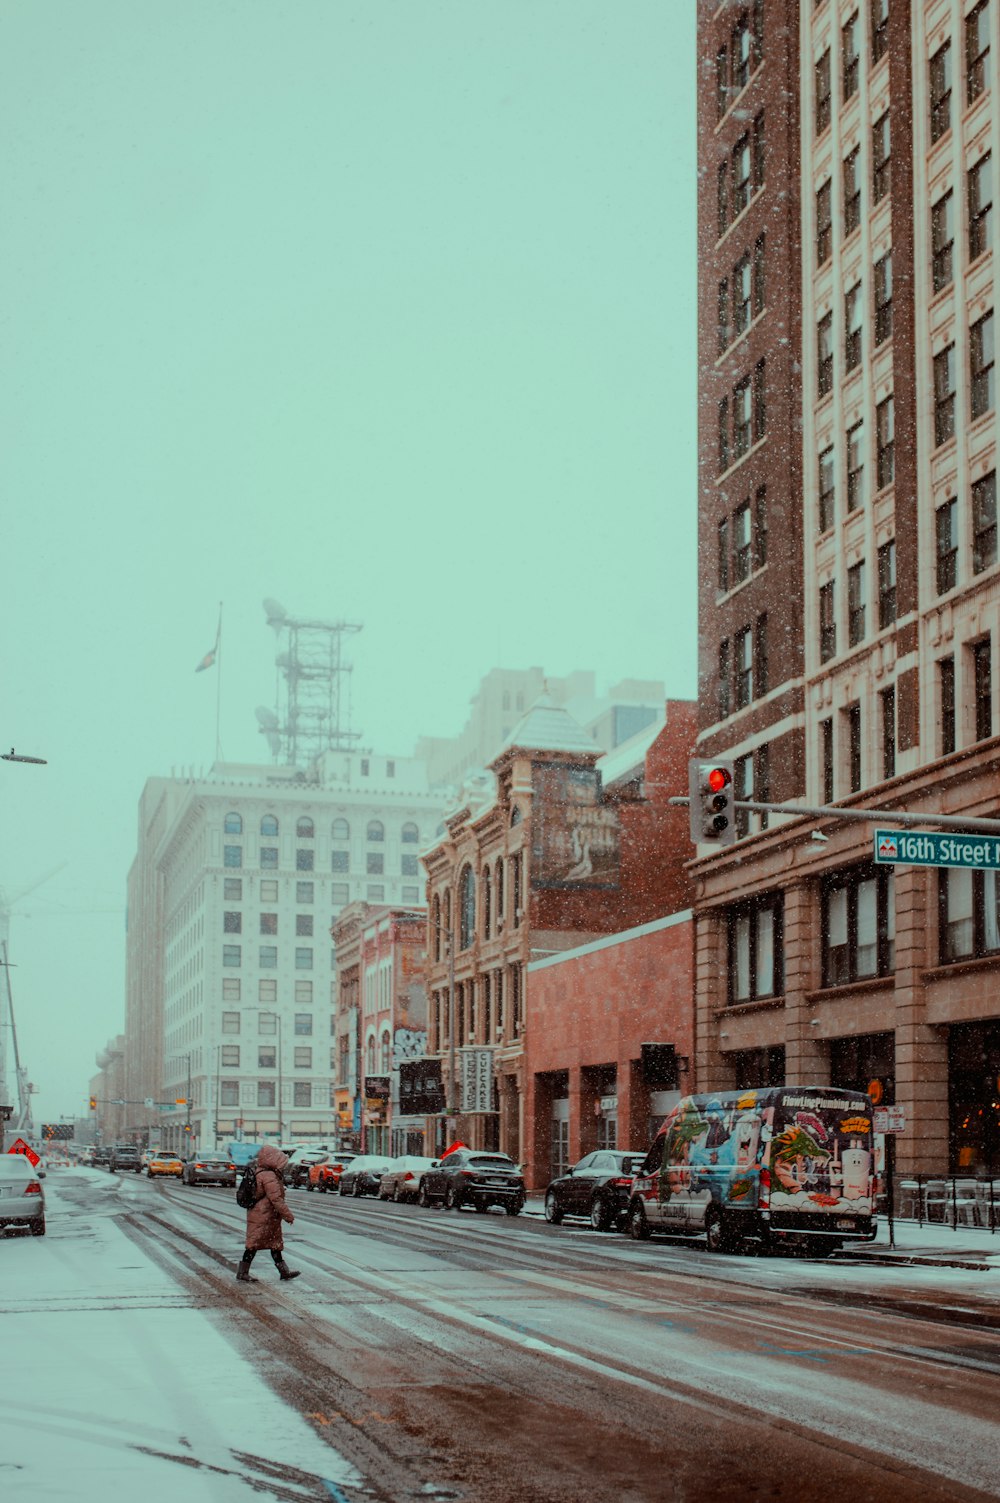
column 759, row 400
column 885, row 439
column 408, row 866
column 301, row 1093
column 984, row 523
column 304, row 859
column 375, row 830
column 853, row 320
column 827, row 622
column 881, row 158
column 375, row 892
column 390, row 769
column 855, row 466
column 744, row 668
column 265, row 1093
column 340, row 861
column 741, row 543
column 761, row 664
column 946, row 684
column 852, row 191
column 467, row 908
column 515, row 887
column 340, row 893
column 229, row 1056
column 723, row 555
column 375, row 863
column 304, row 892
column 721, row 82
column 883, row 299
column 887, row 584
column 760, row 528
column 742, row 295
column 305, row 829
column 268, row 958
column 303, row 1024
column 723, row 340
column 858, row 925
column 232, row 923
column 743, row 788
column 759, row 273
column 941, row 92
column 944, row 395
column 304, row 958
column 826, row 755
column 943, row 241
column 740, row 45
column 856, row 604
column 269, row 923
column 756, row 961
column 946, row 527
column 722, row 192
column 887, row 701
column 268, row 857
column 852, row 715
column 410, row 835
column 742, row 418
column 233, row 824
column 232, row 889
column 759, row 157
column 229, row 1093
column 303, row 924
column 269, row 826
column 969, row 914
column 724, row 698
column 340, row 830
column 824, row 223
column 231, row 989
column 231, row 955
column 880, row 30
column 977, row 51
column 267, row 991
column 232, row 855
column 982, row 366
column 980, row 192
column 982, row 674
column 365, row 767
column 723, row 435
column 268, row 890
column 741, row 175
column 823, row 92
column 303, row 991
column 850, row 52
column 826, row 490
column 824, row 355
column 230, row 1022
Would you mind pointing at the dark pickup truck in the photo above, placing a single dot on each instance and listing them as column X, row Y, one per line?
column 125, row 1156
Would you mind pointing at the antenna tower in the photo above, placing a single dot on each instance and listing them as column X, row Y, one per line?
column 312, row 691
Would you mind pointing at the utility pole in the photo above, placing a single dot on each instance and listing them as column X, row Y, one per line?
column 450, row 1095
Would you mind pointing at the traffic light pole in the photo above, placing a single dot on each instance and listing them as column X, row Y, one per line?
column 874, row 816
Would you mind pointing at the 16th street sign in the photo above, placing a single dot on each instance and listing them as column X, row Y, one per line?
column 918, row 848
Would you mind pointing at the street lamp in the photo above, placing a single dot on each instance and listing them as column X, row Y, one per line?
column 268, row 1012
column 187, row 1096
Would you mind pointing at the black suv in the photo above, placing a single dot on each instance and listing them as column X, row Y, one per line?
column 467, row 1176
column 598, row 1187
column 125, row 1156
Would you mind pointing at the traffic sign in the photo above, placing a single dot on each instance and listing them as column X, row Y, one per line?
column 890, row 1119
column 20, row 1146
column 923, row 848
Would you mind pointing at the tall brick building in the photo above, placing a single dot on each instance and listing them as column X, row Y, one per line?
column 848, row 579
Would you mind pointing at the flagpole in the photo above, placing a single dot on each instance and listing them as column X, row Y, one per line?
column 218, row 689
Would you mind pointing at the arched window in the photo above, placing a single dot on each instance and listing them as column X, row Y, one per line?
column 376, row 830
column 515, row 816
column 269, row 825
column 370, row 1054
column 233, row 824
column 341, row 829
column 305, row 829
column 467, row 910
column 487, row 894
column 410, row 835
column 436, row 926
column 446, row 915
column 498, row 887
column 385, row 1053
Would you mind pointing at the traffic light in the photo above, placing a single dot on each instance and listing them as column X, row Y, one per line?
column 712, row 802
column 93, row 1103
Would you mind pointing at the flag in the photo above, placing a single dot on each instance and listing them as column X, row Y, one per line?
column 208, row 661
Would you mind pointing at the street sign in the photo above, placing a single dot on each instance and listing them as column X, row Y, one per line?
column 890, row 1119
column 20, row 1146
column 922, row 848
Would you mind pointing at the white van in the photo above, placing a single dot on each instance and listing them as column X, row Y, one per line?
column 786, row 1164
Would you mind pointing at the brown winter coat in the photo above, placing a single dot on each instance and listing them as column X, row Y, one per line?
column 264, row 1219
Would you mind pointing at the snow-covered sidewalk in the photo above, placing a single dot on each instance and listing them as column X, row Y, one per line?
column 116, row 1384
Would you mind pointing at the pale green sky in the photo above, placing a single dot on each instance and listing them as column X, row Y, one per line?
column 384, row 309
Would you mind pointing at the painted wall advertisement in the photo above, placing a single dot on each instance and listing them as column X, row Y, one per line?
column 575, row 838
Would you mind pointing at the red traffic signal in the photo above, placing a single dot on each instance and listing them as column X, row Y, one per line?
column 712, row 802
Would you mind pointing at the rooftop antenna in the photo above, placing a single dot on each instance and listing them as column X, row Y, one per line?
column 313, row 708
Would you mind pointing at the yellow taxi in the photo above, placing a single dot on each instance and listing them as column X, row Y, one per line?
column 165, row 1163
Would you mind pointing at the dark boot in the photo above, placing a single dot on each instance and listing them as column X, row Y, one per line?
column 243, row 1272
column 285, row 1271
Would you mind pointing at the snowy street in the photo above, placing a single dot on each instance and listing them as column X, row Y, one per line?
column 440, row 1354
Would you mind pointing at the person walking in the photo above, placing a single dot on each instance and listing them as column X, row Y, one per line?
column 265, row 1217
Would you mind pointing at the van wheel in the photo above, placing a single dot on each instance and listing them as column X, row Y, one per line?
column 638, row 1226
column 552, row 1212
column 718, row 1235
column 600, row 1218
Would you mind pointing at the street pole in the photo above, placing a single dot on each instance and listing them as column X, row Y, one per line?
column 218, row 1092
column 451, row 1026
column 187, row 1123
column 281, row 1132
column 361, row 1072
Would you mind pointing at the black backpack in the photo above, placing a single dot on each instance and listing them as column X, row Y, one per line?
column 246, row 1195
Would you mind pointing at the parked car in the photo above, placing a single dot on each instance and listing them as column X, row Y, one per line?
column 468, row 1176
column 299, row 1164
column 326, row 1175
column 162, row 1163
column 598, row 1187
column 125, row 1156
column 401, row 1181
column 22, row 1199
column 363, row 1175
column 209, row 1169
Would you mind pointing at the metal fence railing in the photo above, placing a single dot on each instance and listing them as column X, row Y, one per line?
column 954, row 1200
